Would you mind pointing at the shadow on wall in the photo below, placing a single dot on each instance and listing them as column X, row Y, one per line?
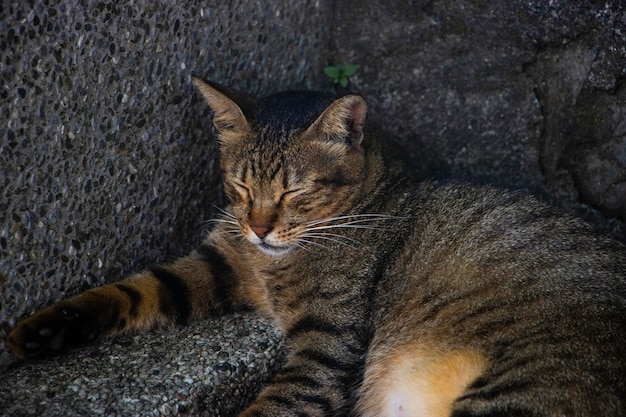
column 515, row 93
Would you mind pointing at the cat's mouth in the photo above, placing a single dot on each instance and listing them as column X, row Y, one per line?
column 267, row 243
column 274, row 250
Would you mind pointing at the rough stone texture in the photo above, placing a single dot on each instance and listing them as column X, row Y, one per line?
column 144, row 376
column 521, row 93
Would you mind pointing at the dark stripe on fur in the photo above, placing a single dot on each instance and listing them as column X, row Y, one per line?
column 310, row 323
column 223, row 277
column 133, row 295
column 285, row 179
column 504, row 388
column 274, row 170
column 436, row 303
column 102, row 323
column 278, row 399
column 297, row 379
column 325, row 360
column 359, row 349
column 245, row 169
column 174, row 295
column 324, row 403
column 121, row 325
column 337, row 181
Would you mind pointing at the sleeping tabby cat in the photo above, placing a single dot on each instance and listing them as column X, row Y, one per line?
column 396, row 298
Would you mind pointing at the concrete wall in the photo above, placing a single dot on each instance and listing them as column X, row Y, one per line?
column 528, row 94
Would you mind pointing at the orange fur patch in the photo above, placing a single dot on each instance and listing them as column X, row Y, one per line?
column 416, row 381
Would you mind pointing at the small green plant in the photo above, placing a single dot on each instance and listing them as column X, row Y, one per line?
column 341, row 73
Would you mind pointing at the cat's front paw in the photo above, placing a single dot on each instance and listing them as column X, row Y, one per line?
column 49, row 330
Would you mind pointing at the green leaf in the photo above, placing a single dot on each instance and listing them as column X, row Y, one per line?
column 349, row 69
column 344, row 82
column 332, row 72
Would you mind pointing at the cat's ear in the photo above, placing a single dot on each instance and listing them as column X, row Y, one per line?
column 342, row 120
column 230, row 107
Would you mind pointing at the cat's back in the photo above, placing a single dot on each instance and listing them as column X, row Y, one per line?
column 466, row 224
column 539, row 295
column 481, row 242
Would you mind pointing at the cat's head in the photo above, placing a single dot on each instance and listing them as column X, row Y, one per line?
column 291, row 161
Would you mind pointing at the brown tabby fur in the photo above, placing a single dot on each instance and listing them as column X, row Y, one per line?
column 396, row 298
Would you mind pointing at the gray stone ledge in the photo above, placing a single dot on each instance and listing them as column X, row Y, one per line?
column 209, row 368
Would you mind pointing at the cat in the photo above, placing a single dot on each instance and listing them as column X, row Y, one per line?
column 396, row 297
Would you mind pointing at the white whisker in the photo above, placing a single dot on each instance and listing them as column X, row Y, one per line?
column 230, row 230
column 315, row 232
column 355, row 219
column 324, row 236
column 328, row 236
column 313, row 229
column 233, row 236
column 224, row 212
column 218, row 220
column 225, row 218
column 303, row 242
column 346, row 226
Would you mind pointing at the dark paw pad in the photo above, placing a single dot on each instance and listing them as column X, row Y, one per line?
column 49, row 330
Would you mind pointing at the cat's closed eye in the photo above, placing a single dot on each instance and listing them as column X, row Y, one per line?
column 287, row 195
column 243, row 191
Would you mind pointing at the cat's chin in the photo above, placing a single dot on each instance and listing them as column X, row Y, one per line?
column 274, row 250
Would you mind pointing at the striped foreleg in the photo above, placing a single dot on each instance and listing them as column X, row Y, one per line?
column 321, row 375
column 192, row 287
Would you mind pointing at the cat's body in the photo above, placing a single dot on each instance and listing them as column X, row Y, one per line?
column 396, row 298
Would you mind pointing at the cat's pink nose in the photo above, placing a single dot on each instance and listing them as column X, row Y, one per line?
column 261, row 230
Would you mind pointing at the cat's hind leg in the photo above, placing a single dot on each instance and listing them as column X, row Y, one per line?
column 417, row 381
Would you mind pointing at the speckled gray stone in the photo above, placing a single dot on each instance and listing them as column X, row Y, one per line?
column 211, row 368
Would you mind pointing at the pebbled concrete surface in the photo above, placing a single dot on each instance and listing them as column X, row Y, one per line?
column 174, row 372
